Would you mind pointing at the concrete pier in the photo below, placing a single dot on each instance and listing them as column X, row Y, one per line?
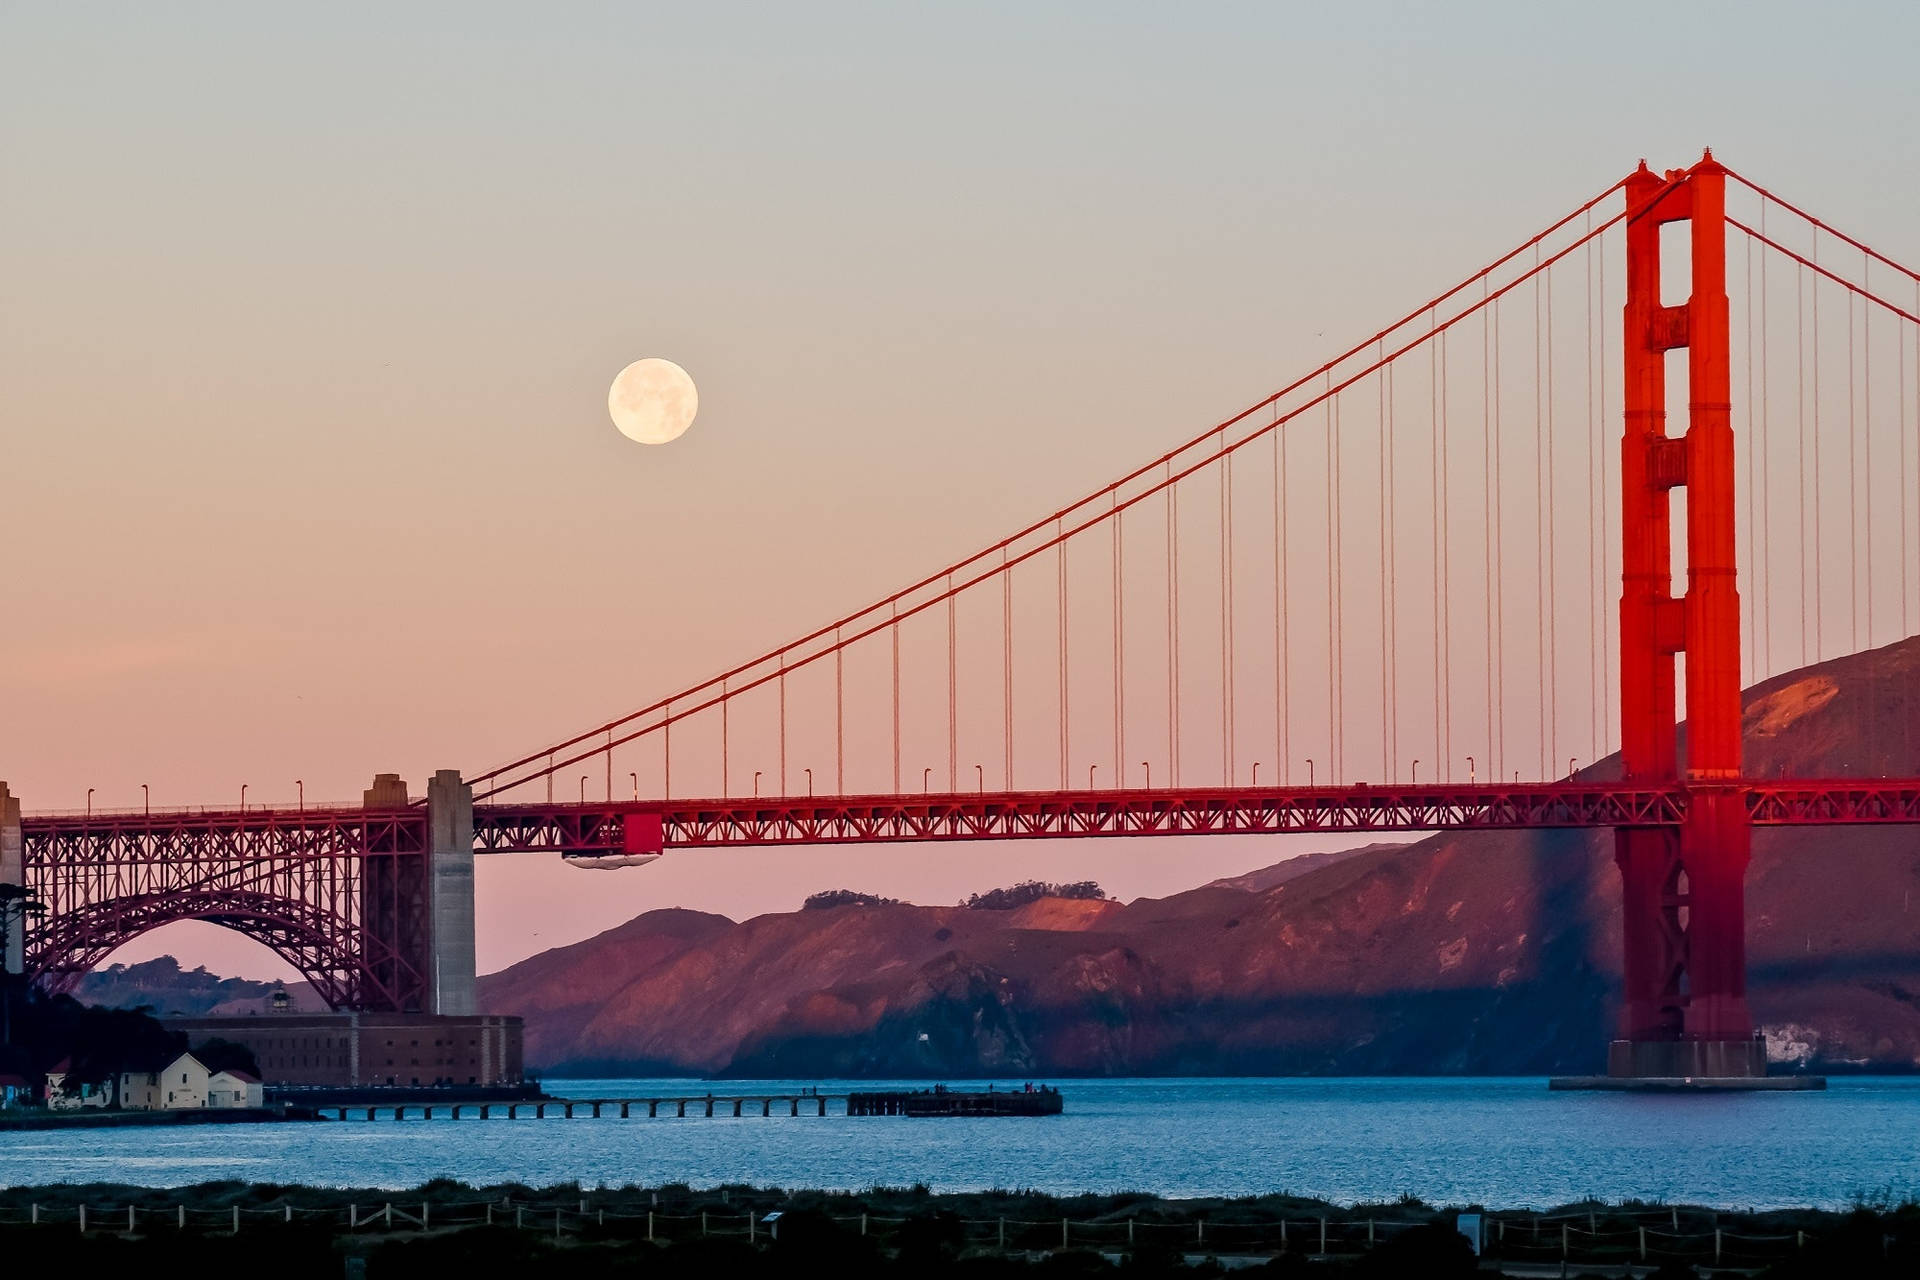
column 1688, row 1066
column 13, row 871
column 450, row 892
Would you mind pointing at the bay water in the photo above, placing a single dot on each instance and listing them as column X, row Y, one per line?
column 1503, row 1143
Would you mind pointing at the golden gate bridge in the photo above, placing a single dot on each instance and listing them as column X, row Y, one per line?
column 1389, row 585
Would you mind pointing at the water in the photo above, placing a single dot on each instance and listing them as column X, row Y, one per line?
column 1506, row 1143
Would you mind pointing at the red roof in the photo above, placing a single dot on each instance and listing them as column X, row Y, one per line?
column 237, row 1074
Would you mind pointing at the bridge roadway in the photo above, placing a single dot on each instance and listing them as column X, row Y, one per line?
column 597, row 828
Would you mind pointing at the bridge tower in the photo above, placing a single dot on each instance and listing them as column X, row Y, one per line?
column 417, row 902
column 1684, row 889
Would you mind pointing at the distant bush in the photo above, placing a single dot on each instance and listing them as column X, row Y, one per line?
column 845, row 898
column 1019, row 895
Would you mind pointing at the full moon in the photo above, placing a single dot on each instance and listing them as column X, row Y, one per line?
column 652, row 401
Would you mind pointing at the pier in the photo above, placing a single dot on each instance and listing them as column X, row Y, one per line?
column 938, row 1101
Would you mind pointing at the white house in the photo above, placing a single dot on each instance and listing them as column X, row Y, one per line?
column 185, row 1084
column 234, row 1089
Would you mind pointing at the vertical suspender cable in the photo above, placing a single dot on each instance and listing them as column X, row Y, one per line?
column 1006, row 669
column 1391, row 491
column 1281, row 673
column 1059, row 529
column 953, row 694
column 1333, row 581
column 1173, row 630
column 1226, row 617
column 1762, row 512
column 1553, row 560
column 1498, row 640
column 1853, row 497
column 1596, row 618
column 1800, row 412
column 1486, row 493
column 895, row 631
column 1119, row 645
column 783, row 723
column 1433, row 447
column 1866, row 416
column 1751, row 653
column 1819, row 560
column 1446, row 577
column 1387, row 578
column 725, row 769
column 839, row 715
column 1540, row 529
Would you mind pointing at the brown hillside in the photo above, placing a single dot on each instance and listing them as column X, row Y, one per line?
column 1465, row 952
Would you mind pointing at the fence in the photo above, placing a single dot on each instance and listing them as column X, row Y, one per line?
column 1657, row 1236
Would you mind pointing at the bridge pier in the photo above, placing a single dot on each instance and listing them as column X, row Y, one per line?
column 13, row 871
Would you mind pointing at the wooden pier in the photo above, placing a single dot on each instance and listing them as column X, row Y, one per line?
column 939, row 1101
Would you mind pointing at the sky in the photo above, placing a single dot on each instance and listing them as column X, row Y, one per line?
column 309, row 314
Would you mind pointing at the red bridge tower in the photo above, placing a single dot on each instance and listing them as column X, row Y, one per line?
column 1684, row 888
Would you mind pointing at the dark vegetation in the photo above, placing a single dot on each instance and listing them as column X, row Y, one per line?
column 1019, row 895
column 163, row 986
column 568, row 1232
column 98, row 1043
column 827, row 898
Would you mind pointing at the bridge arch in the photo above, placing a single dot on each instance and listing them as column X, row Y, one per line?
column 330, row 950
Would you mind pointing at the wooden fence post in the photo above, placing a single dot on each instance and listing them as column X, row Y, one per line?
column 34, row 1216
column 181, row 1219
column 649, row 1226
column 423, row 1215
column 288, row 1215
column 1369, row 1233
column 1643, row 1244
column 353, row 1217
column 703, row 1223
column 1565, row 1239
column 1716, row 1246
column 1003, row 1233
column 1063, row 1233
column 753, row 1228
column 236, row 1219
column 83, row 1219
column 129, row 1219
column 1323, row 1235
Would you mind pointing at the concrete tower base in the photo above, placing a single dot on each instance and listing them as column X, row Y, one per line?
column 1687, row 1066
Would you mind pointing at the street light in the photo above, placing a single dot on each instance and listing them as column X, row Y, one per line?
column 1309, row 770
column 1256, row 773
column 146, row 799
column 1148, row 769
column 756, row 782
column 1090, row 769
column 90, row 802
column 301, row 785
column 1416, row 773
column 243, row 797
column 636, row 786
column 926, row 780
column 583, row 788
column 1571, row 761
column 809, row 782
column 1470, row 771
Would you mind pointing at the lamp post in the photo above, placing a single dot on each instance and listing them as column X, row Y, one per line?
column 981, row 774
column 756, row 781
column 1256, row 773
column 1571, row 761
column 90, row 802
column 1416, row 773
column 300, row 785
column 926, row 780
column 1309, row 770
column 636, row 786
column 1146, row 767
column 1090, row 769
column 243, row 797
column 146, row 800
column 809, row 773
column 583, row 788
column 1470, row 771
